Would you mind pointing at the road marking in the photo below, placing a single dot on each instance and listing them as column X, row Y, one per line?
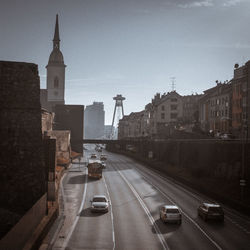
column 111, row 214
column 196, row 196
column 159, row 234
column 199, row 197
column 194, row 222
column 78, row 215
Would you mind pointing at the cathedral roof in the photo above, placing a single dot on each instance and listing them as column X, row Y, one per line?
column 56, row 56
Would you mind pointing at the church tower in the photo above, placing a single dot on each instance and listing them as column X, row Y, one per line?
column 56, row 72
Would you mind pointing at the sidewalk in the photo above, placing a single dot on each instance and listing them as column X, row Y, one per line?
column 71, row 189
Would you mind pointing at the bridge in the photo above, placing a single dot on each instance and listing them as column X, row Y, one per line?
column 99, row 141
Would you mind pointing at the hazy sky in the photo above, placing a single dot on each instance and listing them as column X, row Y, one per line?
column 129, row 47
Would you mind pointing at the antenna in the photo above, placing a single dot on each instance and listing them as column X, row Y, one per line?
column 173, row 80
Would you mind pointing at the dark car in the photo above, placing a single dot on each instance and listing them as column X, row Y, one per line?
column 211, row 211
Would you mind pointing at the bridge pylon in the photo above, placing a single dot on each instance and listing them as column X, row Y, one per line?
column 117, row 110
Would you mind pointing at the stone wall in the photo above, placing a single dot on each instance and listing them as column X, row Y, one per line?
column 47, row 121
column 22, row 178
column 71, row 117
column 63, row 148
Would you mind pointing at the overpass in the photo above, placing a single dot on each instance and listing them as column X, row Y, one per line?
column 99, row 141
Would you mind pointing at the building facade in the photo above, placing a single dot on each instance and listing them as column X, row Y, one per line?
column 131, row 126
column 240, row 100
column 94, row 117
column 71, row 117
column 157, row 120
column 190, row 108
column 215, row 109
column 166, row 113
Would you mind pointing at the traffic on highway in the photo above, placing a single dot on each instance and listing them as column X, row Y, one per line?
column 134, row 207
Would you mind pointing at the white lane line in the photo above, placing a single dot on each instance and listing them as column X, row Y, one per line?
column 199, row 197
column 194, row 222
column 78, row 215
column 196, row 196
column 111, row 214
column 158, row 232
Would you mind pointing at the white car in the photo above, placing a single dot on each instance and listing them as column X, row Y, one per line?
column 99, row 203
column 103, row 164
column 170, row 213
column 93, row 156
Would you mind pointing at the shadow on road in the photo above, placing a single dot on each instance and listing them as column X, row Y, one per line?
column 165, row 227
column 80, row 179
column 87, row 213
column 215, row 225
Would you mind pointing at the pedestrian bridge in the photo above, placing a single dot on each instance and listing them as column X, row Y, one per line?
column 99, row 141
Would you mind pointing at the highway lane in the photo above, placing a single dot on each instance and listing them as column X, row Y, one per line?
column 125, row 226
column 136, row 193
column 175, row 236
column 234, row 233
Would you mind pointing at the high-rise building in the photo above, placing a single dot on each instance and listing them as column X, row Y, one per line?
column 94, row 116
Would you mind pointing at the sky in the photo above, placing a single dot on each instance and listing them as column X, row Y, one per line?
column 131, row 47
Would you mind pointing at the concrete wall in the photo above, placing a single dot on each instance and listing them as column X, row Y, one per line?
column 22, row 178
column 16, row 238
column 216, row 158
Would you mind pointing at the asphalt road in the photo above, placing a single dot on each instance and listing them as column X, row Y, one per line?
column 136, row 193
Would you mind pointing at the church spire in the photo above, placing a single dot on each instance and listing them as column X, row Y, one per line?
column 56, row 40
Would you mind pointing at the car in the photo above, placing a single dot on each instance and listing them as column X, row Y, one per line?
column 98, row 148
column 211, row 211
column 99, row 203
column 103, row 157
column 103, row 164
column 93, row 156
column 227, row 137
column 170, row 213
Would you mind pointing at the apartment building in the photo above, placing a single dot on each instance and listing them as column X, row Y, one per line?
column 215, row 109
column 240, row 100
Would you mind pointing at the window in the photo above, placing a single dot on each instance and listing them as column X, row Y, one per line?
column 162, row 116
column 56, row 82
column 162, row 107
column 173, row 107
